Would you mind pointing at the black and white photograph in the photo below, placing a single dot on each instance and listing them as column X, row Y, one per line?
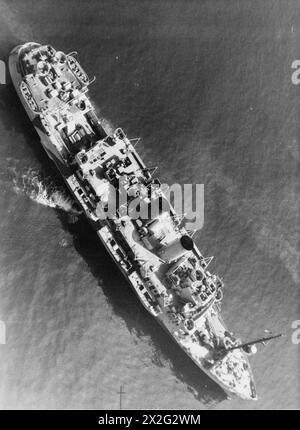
column 149, row 207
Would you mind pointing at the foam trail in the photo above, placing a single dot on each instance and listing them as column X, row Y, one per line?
column 107, row 125
column 42, row 190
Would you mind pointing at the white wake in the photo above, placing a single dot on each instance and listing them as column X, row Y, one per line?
column 42, row 190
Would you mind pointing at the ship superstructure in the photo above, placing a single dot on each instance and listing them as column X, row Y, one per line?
column 156, row 253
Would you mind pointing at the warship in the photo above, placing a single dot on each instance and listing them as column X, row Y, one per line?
column 156, row 253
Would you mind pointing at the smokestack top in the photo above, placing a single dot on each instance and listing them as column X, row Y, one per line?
column 187, row 242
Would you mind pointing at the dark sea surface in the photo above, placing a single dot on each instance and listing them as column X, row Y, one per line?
column 207, row 86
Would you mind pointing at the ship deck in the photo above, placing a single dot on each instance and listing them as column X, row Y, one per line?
column 71, row 127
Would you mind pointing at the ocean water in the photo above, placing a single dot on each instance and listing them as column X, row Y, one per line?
column 207, row 86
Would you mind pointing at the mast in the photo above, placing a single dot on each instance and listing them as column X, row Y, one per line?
column 253, row 342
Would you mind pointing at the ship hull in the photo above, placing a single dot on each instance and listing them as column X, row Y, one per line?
column 65, row 172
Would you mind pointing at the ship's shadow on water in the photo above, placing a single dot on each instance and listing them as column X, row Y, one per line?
column 116, row 289
column 126, row 305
